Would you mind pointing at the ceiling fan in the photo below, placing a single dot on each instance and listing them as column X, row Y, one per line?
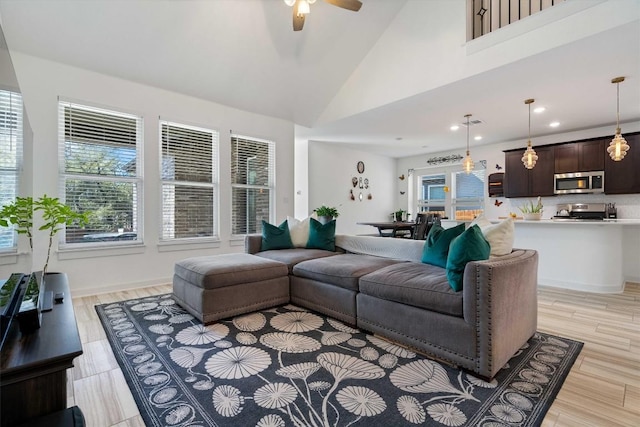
column 301, row 8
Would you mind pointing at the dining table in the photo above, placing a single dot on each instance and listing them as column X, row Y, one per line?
column 391, row 228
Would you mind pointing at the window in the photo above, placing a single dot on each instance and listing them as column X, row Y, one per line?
column 189, row 181
column 10, row 157
column 468, row 194
column 101, row 173
column 252, row 183
column 452, row 193
column 432, row 194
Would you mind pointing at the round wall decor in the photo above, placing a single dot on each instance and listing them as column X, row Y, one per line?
column 360, row 167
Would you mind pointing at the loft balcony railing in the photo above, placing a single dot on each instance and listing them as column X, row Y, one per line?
column 484, row 16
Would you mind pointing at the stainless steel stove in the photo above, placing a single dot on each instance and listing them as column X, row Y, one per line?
column 581, row 212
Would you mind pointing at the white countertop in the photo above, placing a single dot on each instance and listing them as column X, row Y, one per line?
column 620, row 221
column 606, row 221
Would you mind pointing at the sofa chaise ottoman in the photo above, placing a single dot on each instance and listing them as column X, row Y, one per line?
column 216, row 287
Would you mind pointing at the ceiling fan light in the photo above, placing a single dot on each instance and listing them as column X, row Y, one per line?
column 618, row 147
column 303, row 7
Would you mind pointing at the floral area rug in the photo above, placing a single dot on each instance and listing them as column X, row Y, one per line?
column 288, row 366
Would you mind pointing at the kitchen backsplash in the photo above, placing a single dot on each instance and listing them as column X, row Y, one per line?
column 628, row 205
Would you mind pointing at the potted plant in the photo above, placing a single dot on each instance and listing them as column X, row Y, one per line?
column 326, row 213
column 531, row 211
column 397, row 215
column 54, row 213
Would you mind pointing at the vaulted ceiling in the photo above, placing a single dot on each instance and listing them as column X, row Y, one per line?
column 380, row 79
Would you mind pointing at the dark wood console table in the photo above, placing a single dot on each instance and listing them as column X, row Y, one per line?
column 33, row 370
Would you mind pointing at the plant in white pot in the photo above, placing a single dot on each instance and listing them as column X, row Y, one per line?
column 54, row 213
column 326, row 213
column 532, row 212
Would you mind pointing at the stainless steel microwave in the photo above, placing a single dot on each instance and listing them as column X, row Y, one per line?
column 579, row 182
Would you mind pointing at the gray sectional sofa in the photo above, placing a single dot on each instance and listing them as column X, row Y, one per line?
column 381, row 286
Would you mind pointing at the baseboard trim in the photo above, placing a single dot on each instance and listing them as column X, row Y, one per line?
column 78, row 293
column 584, row 287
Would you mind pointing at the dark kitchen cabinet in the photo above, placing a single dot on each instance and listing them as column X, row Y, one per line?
column 623, row 177
column 522, row 182
column 581, row 156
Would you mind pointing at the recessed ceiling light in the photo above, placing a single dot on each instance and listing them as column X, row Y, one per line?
column 399, row 138
column 454, row 127
column 539, row 109
column 425, row 146
column 477, row 138
column 554, row 124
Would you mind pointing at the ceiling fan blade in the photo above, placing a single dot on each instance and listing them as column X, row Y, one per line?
column 298, row 20
column 354, row 5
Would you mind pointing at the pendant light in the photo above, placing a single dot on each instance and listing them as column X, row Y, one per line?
column 467, row 163
column 529, row 158
column 618, row 146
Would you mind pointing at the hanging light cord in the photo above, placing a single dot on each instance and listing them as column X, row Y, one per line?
column 529, row 124
column 618, row 106
column 467, row 135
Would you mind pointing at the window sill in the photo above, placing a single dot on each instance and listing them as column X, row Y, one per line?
column 69, row 253
column 187, row 244
column 237, row 240
column 9, row 257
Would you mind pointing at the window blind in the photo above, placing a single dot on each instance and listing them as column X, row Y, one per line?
column 468, row 196
column 189, row 181
column 253, row 183
column 100, row 153
column 10, row 157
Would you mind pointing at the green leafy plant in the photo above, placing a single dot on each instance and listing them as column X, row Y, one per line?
column 326, row 211
column 54, row 213
column 528, row 208
column 20, row 214
column 398, row 214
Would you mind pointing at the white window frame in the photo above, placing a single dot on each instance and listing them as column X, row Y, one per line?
column 451, row 201
column 12, row 109
column 214, row 184
column 136, row 181
column 271, row 184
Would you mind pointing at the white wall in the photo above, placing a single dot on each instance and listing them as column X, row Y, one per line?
column 42, row 82
column 331, row 169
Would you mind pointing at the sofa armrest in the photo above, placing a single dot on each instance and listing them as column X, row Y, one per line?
column 252, row 243
column 500, row 299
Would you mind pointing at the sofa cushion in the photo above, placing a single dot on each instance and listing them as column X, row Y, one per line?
column 211, row 272
column 322, row 236
column 299, row 230
column 436, row 247
column 292, row 257
column 417, row 284
column 469, row 246
column 341, row 270
column 275, row 237
column 500, row 236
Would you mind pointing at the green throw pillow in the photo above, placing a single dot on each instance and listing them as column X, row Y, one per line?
column 275, row 237
column 436, row 248
column 469, row 246
column 322, row 236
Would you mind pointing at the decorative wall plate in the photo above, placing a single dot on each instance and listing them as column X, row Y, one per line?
column 360, row 166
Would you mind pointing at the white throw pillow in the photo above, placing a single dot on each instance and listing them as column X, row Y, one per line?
column 299, row 231
column 500, row 236
column 481, row 221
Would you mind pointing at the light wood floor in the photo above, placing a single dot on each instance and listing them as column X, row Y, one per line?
column 603, row 388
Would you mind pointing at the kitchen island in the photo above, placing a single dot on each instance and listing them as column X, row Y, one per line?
column 593, row 256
